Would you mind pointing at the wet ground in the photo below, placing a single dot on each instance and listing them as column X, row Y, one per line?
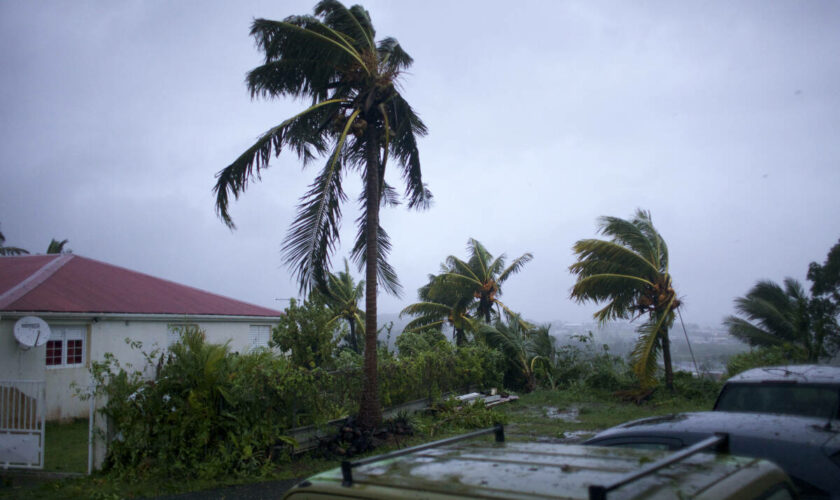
column 255, row 491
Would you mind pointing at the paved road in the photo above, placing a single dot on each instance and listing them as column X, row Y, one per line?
column 255, row 491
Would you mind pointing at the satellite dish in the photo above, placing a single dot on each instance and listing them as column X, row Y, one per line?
column 31, row 331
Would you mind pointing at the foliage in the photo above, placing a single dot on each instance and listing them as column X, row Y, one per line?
column 524, row 348
column 208, row 411
column 584, row 367
column 56, row 246
column 455, row 415
column 775, row 316
column 4, row 250
column 630, row 273
column 441, row 304
column 305, row 334
column 357, row 120
column 783, row 354
column 825, row 278
column 411, row 343
column 341, row 295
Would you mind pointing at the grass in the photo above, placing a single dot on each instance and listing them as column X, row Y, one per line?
column 66, row 447
column 528, row 419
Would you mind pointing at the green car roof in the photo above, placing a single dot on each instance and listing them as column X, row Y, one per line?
column 483, row 469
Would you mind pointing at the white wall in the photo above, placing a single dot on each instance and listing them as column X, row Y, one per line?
column 107, row 335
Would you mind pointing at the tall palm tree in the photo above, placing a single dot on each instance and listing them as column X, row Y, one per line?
column 774, row 316
column 341, row 295
column 630, row 273
column 56, row 246
column 357, row 120
column 4, row 250
column 441, row 304
column 481, row 276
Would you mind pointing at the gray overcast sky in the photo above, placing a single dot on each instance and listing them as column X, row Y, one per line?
column 721, row 118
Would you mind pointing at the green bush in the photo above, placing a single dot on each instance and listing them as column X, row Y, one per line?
column 208, row 411
column 581, row 366
column 765, row 356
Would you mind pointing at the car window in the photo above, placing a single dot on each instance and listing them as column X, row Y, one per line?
column 789, row 399
column 780, row 492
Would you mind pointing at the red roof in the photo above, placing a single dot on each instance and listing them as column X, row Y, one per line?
column 73, row 284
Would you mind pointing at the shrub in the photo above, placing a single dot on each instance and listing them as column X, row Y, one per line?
column 765, row 356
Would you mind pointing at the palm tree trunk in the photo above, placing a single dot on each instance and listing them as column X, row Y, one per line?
column 666, row 358
column 370, row 414
column 354, row 342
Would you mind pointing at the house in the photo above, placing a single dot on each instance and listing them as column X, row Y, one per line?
column 92, row 307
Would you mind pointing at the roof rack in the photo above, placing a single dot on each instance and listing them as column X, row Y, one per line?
column 347, row 466
column 720, row 441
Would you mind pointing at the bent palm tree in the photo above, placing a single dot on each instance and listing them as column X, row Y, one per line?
column 630, row 273
column 341, row 295
column 357, row 120
column 481, row 276
column 774, row 316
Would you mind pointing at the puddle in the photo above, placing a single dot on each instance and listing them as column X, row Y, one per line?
column 567, row 414
column 568, row 437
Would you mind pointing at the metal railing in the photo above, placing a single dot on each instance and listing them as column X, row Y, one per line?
column 22, row 423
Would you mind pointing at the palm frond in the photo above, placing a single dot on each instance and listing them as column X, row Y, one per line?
column 386, row 275
column 294, row 132
column 515, row 267
column 346, row 21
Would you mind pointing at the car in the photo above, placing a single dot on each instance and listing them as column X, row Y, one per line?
column 807, row 390
column 807, row 448
column 470, row 467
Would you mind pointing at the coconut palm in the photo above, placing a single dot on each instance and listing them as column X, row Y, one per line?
column 441, row 304
column 775, row 315
column 4, row 250
column 341, row 295
column 56, row 246
column 357, row 120
column 630, row 274
column 481, row 277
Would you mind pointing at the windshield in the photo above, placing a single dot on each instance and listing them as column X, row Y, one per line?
column 820, row 401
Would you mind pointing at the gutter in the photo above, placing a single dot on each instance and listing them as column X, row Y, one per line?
column 96, row 317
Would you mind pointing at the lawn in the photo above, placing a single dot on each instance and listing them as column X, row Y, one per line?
column 561, row 416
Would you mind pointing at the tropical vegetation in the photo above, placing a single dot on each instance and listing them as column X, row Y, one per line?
column 358, row 120
column 803, row 325
column 464, row 293
column 341, row 295
column 629, row 272
column 10, row 250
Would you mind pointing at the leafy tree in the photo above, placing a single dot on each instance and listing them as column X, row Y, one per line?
column 4, row 250
column 57, row 246
column 825, row 278
column 305, row 335
column 523, row 347
column 341, row 295
column 777, row 316
column 357, row 120
column 630, row 273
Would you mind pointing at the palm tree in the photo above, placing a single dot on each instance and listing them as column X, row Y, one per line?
column 341, row 295
column 441, row 304
column 523, row 347
column 481, row 276
column 57, row 246
column 776, row 316
column 630, row 273
column 4, row 250
column 357, row 120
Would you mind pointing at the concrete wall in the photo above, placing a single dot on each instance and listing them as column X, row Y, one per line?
column 105, row 335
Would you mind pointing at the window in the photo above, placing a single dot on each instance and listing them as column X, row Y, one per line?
column 258, row 336
column 66, row 346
